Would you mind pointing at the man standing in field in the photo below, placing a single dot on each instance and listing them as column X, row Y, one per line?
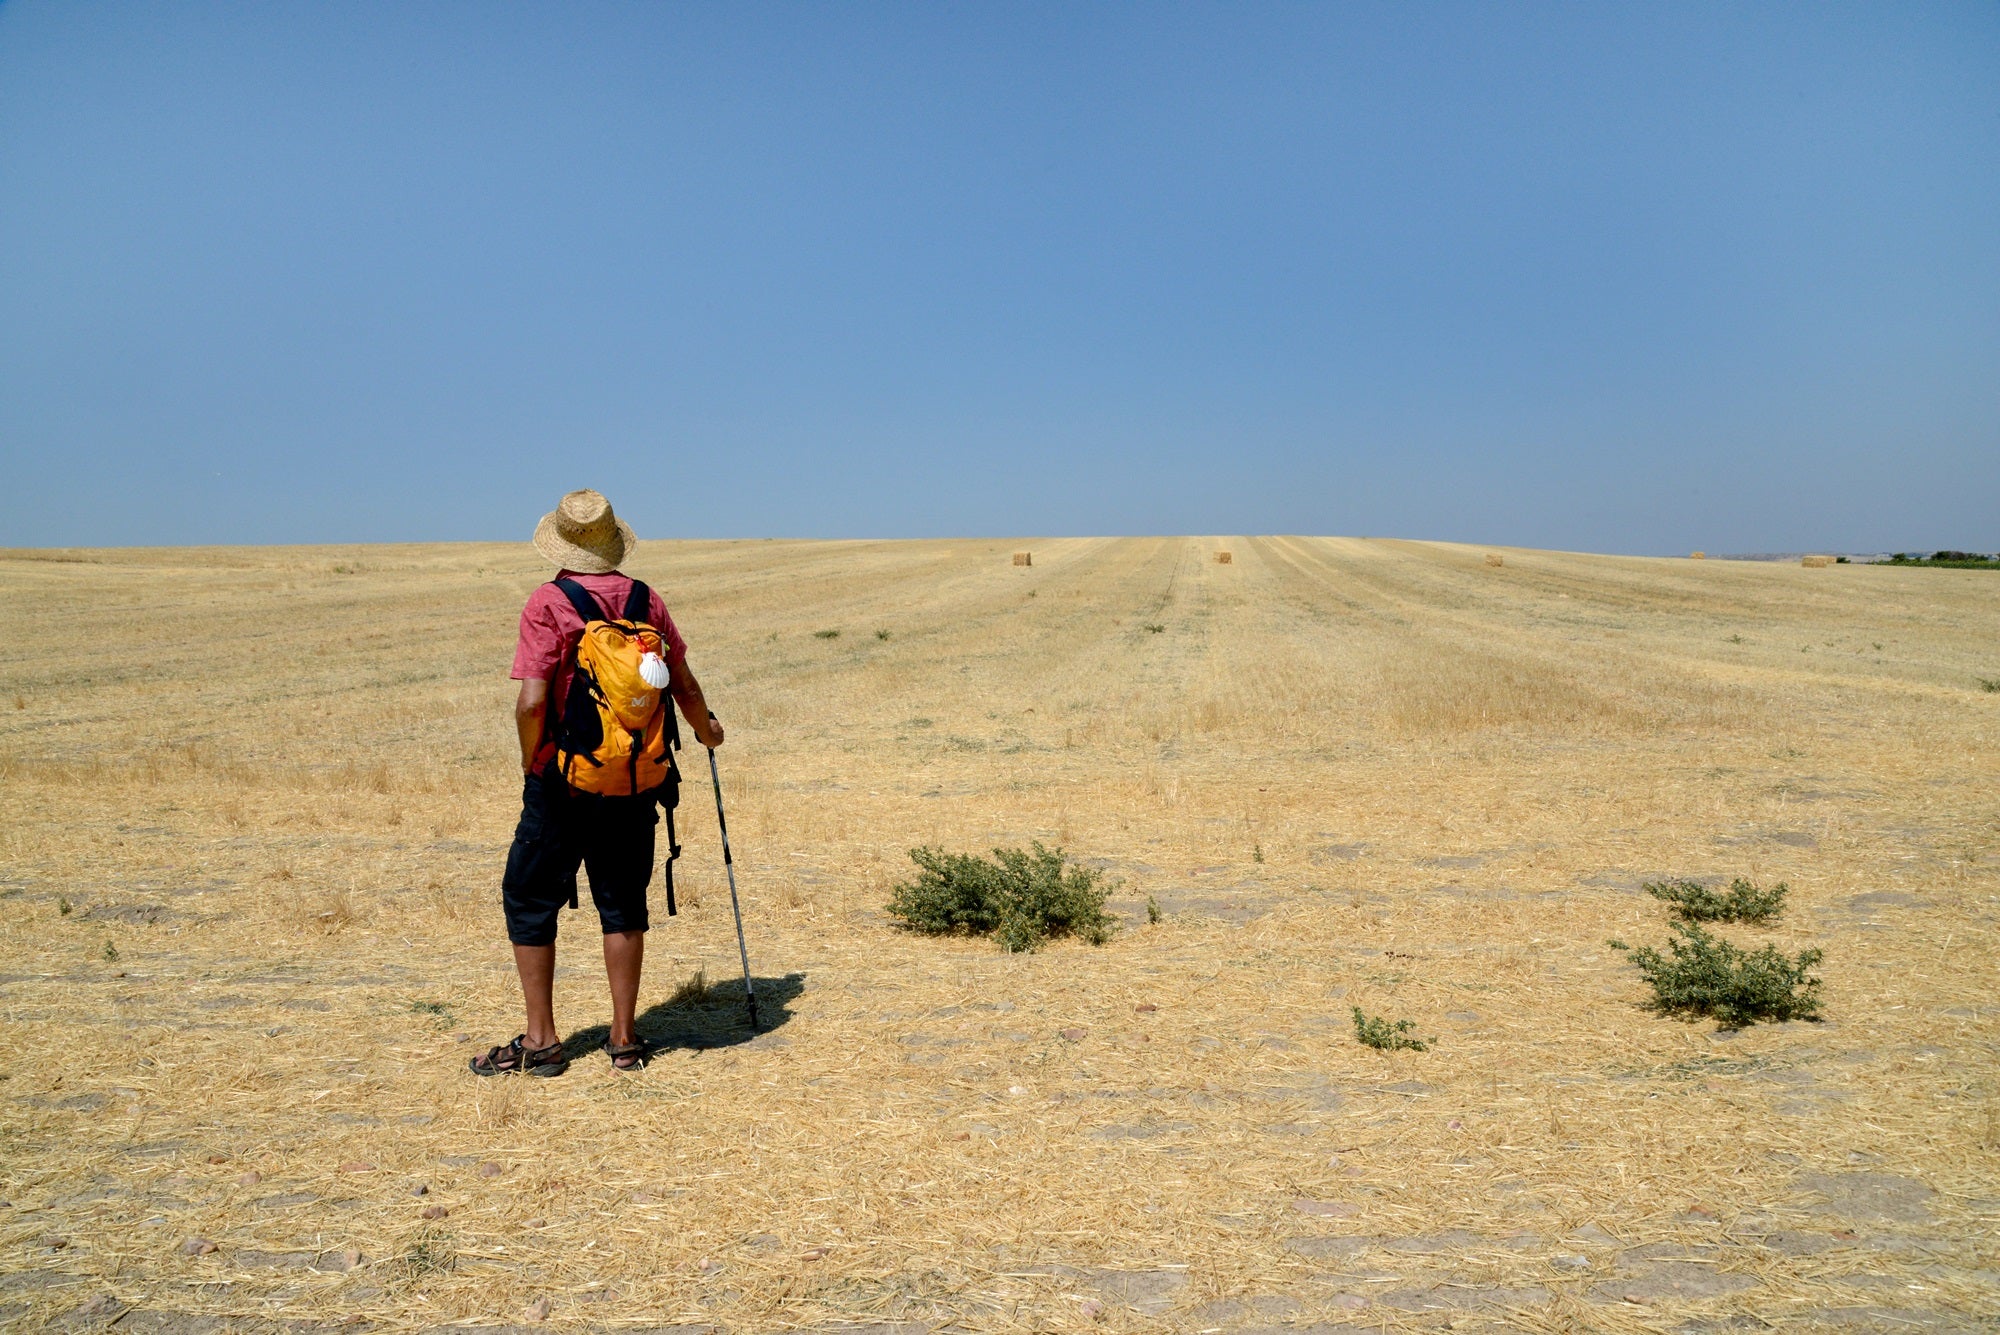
column 579, row 809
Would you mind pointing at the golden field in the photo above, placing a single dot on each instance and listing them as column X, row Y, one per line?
column 256, row 804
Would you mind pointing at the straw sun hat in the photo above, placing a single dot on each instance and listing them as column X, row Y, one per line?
column 582, row 534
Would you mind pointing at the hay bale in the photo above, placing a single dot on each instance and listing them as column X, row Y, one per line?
column 1815, row 562
column 1697, row 556
column 1495, row 559
column 1024, row 558
column 1223, row 558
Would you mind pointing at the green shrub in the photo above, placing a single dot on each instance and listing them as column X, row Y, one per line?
column 1989, row 684
column 1948, row 559
column 1153, row 913
column 826, row 635
column 1383, row 1036
column 1021, row 898
column 1742, row 902
column 1154, row 627
column 1702, row 974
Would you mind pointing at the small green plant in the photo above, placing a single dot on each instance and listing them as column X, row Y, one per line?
column 882, row 635
column 437, row 1010
column 826, row 635
column 1153, row 626
column 1989, row 684
column 1153, row 913
column 1736, row 639
column 1378, row 1033
column 110, row 952
column 1021, row 898
column 432, row 1252
column 1741, row 902
column 1702, row 974
column 1256, row 852
column 63, row 906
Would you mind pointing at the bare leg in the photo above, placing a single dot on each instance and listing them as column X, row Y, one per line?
column 537, row 965
column 624, row 953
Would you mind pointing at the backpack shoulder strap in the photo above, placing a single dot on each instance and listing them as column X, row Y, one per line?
column 639, row 603
column 580, row 599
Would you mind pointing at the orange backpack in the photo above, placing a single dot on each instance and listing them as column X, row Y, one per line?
column 617, row 734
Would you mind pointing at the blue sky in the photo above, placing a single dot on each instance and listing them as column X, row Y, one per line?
column 1611, row 277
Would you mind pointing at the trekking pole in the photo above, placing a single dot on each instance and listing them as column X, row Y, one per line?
column 722, row 824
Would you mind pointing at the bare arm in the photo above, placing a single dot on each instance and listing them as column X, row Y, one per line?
column 694, row 708
column 531, row 709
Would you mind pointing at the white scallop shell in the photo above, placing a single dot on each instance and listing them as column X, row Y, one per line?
column 654, row 669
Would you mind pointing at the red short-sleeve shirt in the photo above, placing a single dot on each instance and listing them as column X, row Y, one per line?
column 550, row 629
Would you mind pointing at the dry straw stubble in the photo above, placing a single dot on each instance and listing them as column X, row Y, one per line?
column 1455, row 788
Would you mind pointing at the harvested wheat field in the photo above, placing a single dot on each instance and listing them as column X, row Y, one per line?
column 257, row 804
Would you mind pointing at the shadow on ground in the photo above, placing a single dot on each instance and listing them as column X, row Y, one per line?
column 714, row 1017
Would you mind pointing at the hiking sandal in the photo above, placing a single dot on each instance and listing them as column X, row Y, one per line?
column 515, row 1056
column 551, row 1060
column 628, row 1056
column 503, row 1060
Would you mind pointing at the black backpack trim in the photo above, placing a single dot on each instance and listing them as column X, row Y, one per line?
column 670, row 797
column 578, row 731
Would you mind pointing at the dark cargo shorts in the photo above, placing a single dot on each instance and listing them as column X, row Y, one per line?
column 610, row 838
